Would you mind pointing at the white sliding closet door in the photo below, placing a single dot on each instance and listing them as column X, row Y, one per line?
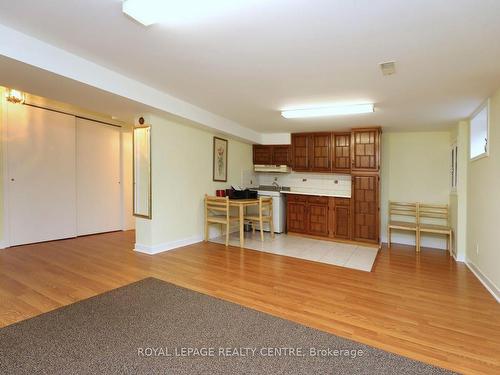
column 98, row 177
column 41, row 174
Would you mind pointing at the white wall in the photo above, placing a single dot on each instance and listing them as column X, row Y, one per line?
column 414, row 168
column 181, row 176
column 483, row 207
column 458, row 198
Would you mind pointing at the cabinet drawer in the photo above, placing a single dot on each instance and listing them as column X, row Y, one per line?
column 342, row 201
column 296, row 198
column 318, row 200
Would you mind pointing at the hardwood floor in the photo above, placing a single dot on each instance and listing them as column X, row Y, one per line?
column 425, row 306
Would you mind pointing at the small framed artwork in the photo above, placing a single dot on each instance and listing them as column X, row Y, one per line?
column 220, row 159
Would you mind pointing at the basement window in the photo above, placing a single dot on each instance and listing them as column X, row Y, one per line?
column 479, row 132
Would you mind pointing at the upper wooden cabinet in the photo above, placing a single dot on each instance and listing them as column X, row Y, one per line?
column 341, row 152
column 282, row 155
column 262, row 154
column 320, row 152
column 300, row 152
column 365, row 150
column 272, row 154
column 311, row 152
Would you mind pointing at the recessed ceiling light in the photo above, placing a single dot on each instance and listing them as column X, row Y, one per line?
column 388, row 68
column 149, row 12
column 337, row 110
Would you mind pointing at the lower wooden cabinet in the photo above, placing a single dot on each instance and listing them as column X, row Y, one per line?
column 342, row 218
column 296, row 214
column 319, row 216
column 366, row 215
column 318, row 219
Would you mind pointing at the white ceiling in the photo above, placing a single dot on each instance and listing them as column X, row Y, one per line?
column 247, row 65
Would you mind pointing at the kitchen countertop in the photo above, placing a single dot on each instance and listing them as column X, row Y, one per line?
column 317, row 193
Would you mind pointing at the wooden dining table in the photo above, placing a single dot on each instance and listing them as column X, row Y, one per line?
column 242, row 204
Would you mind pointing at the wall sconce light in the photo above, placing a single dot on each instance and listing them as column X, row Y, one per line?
column 15, row 96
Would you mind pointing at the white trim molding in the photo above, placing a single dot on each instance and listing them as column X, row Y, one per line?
column 156, row 249
column 458, row 258
column 160, row 248
column 488, row 284
column 4, row 245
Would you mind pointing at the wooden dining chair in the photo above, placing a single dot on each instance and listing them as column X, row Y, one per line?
column 438, row 214
column 407, row 215
column 264, row 215
column 217, row 211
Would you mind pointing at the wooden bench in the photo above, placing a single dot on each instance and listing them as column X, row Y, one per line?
column 407, row 215
column 419, row 218
column 439, row 214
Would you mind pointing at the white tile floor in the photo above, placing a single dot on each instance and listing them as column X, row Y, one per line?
column 339, row 254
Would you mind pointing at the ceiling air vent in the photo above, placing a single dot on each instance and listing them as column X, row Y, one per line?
column 388, row 68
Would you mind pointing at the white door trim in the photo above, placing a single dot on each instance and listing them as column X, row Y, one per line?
column 5, row 224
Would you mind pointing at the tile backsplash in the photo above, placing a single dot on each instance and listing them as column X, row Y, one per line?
column 339, row 183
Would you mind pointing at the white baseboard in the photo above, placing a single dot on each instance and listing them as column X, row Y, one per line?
column 155, row 249
column 488, row 284
column 3, row 245
column 458, row 258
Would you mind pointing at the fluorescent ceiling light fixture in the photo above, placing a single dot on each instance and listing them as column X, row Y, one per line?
column 149, row 12
column 338, row 110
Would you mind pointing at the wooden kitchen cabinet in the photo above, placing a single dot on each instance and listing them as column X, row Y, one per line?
column 262, row 154
column 342, row 218
column 308, row 214
column 296, row 213
column 365, row 150
column 272, row 154
column 300, row 152
column 356, row 153
column 317, row 216
column 346, row 152
column 319, row 152
column 281, row 155
column 311, row 152
column 365, row 208
column 341, row 152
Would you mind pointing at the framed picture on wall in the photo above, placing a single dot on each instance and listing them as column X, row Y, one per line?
column 220, row 159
